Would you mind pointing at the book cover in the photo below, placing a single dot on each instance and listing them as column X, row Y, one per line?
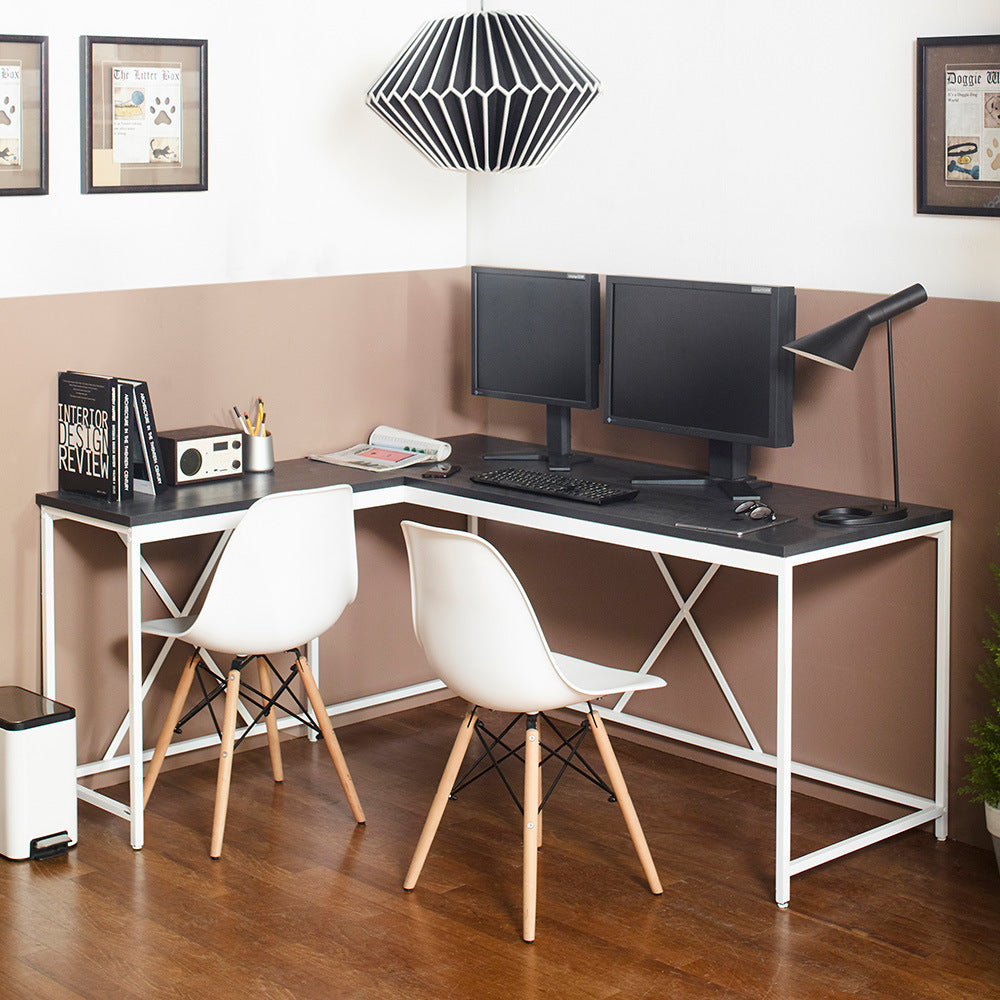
column 147, row 458
column 88, row 434
column 125, row 439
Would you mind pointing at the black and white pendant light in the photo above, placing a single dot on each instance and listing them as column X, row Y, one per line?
column 484, row 91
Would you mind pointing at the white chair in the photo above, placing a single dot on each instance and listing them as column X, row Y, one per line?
column 285, row 576
column 480, row 634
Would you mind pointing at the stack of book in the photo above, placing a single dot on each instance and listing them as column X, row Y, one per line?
column 107, row 437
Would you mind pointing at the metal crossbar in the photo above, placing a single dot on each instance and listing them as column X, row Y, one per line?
column 566, row 751
column 684, row 615
column 250, row 694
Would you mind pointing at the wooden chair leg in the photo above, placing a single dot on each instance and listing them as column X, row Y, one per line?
column 273, row 743
column 225, row 761
column 312, row 692
column 166, row 734
column 444, row 788
column 532, row 762
column 624, row 801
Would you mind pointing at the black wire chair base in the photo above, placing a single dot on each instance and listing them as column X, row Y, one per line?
column 216, row 687
column 497, row 750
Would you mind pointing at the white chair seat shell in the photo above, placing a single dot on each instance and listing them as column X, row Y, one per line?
column 287, row 573
column 493, row 652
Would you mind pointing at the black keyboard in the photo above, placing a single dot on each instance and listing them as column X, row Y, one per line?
column 554, row 484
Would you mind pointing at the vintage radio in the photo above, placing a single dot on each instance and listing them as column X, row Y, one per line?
column 194, row 454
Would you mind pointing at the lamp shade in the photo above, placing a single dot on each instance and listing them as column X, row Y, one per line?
column 840, row 343
column 484, row 91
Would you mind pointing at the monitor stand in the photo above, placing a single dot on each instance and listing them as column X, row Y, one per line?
column 728, row 468
column 557, row 437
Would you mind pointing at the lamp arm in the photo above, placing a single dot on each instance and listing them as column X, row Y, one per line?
column 892, row 414
column 882, row 312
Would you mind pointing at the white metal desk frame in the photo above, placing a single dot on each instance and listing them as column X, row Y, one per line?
column 921, row 810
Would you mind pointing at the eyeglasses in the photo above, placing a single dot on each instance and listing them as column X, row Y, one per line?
column 755, row 510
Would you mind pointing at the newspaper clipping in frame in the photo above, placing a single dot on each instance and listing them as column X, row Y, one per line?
column 10, row 116
column 972, row 124
column 146, row 125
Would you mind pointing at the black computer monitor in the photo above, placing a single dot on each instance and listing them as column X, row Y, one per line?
column 536, row 339
column 702, row 359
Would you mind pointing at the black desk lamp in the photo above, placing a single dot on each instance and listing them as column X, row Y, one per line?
column 839, row 345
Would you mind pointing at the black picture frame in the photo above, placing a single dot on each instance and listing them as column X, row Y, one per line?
column 958, row 125
column 24, row 114
column 143, row 114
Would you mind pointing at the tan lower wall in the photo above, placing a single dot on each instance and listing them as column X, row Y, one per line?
column 333, row 357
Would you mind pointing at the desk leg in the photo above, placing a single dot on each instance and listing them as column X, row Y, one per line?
column 783, row 751
column 942, row 680
column 133, row 574
column 48, row 606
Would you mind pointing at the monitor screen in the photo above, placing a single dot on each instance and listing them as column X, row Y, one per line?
column 536, row 336
column 700, row 359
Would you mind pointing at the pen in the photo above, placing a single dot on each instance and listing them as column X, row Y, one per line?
column 244, row 425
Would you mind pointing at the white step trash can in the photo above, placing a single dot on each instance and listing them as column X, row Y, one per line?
column 37, row 775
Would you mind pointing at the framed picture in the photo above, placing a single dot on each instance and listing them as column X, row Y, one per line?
column 958, row 125
column 24, row 114
column 144, row 114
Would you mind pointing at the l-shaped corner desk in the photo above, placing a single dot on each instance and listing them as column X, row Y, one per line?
column 652, row 523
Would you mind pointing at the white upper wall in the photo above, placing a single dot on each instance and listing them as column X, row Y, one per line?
column 764, row 142
column 770, row 141
column 304, row 180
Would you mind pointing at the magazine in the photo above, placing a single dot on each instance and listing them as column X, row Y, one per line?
column 388, row 448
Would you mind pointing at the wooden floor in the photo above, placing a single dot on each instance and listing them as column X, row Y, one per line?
column 305, row 904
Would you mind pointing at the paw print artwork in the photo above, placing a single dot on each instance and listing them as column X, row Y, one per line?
column 164, row 129
column 163, row 111
column 10, row 133
column 993, row 156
